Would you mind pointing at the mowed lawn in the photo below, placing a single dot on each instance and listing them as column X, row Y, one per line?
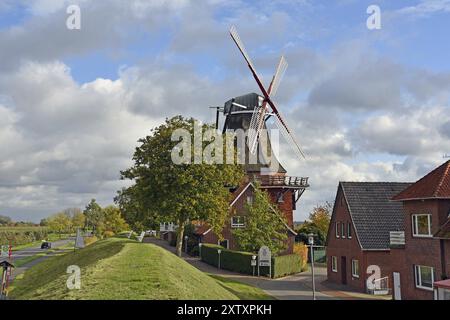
column 119, row 268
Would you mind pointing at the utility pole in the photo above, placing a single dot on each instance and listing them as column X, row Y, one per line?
column 311, row 244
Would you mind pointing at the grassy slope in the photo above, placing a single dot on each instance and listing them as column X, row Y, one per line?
column 124, row 269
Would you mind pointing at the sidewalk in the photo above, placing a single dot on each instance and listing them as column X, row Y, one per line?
column 294, row 287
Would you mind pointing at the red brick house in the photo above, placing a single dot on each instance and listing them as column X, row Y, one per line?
column 425, row 257
column 404, row 229
column 284, row 192
column 359, row 234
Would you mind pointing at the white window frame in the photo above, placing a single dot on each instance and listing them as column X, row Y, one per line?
column 343, row 230
column 349, row 230
column 250, row 200
column 337, row 230
column 418, row 276
column 334, row 266
column 415, row 226
column 237, row 225
column 354, row 274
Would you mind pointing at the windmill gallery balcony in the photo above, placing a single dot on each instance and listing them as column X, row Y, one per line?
column 285, row 182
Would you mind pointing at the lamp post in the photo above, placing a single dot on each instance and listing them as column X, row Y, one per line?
column 254, row 263
column 185, row 243
column 200, row 249
column 311, row 243
column 219, row 252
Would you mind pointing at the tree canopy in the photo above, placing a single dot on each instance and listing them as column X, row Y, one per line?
column 264, row 226
column 180, row 192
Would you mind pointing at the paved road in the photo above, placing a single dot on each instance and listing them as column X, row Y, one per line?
column 20, row 254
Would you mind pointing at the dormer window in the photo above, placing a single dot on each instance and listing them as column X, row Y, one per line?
column 421, row 225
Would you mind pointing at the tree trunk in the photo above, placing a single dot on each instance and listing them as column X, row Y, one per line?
column 180, row 236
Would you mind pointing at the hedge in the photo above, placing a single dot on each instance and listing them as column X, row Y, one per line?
column 19, row 236
column 240, row 262
column 286, row 265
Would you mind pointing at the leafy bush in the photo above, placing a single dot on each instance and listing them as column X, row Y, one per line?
column 302, row 250
column 90, row 240
column 108, row 234
column 22, row 235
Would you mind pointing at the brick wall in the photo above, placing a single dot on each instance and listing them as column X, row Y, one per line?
column 239, row 209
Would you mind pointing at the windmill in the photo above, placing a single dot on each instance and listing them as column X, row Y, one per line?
column 262, row 111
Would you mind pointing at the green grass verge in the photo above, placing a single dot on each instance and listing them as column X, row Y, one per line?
column 124, row 269
column 241, row 290
column 23, row 261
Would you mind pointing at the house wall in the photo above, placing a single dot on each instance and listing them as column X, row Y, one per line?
column 339, row 247
column 239, row 209
column 422, row 251
column 351, row 250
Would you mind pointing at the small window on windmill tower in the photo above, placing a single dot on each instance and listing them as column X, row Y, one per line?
column 280, row 198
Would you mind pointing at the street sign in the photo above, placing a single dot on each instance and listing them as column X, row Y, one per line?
column 4, row 251
column 265, row 257
column 253, row 263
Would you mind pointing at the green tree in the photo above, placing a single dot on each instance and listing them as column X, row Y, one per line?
column 321, row 216
column 78, row 220
column 306, row 229
column 180, row 192
column 60, row 223
column 113, row 221
column 4, row 220
column 93, row 216
column 264, row 226
column 135, row 214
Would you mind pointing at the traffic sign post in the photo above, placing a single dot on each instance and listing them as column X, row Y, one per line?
column 253, row 264
column 219, row 252
column 311, row 243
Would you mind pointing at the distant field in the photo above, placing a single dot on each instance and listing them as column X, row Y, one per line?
column 26, row 228
column 17, row 236
column 118, row 268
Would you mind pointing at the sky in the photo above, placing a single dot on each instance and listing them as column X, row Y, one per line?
column 366, row 105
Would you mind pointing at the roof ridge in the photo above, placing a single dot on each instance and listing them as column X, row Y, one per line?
column 441, row 181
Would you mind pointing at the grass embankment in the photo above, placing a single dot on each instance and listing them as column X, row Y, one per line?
column 118, row 268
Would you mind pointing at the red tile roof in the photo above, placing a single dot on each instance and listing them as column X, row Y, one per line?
column 435, row 185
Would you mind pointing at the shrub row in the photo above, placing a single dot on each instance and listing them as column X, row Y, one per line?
column 17, row 237
column 238, row 261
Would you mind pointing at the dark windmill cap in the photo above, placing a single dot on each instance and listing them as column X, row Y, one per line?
column 6, row 264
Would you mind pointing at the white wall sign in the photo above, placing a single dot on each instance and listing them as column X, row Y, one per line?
column 264, row 257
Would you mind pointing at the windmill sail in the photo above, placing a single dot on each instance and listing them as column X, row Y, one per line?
column 258, row 118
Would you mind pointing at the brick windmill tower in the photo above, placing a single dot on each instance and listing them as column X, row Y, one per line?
column 249, row 113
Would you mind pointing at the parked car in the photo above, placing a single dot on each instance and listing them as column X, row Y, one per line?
column 46, row 245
